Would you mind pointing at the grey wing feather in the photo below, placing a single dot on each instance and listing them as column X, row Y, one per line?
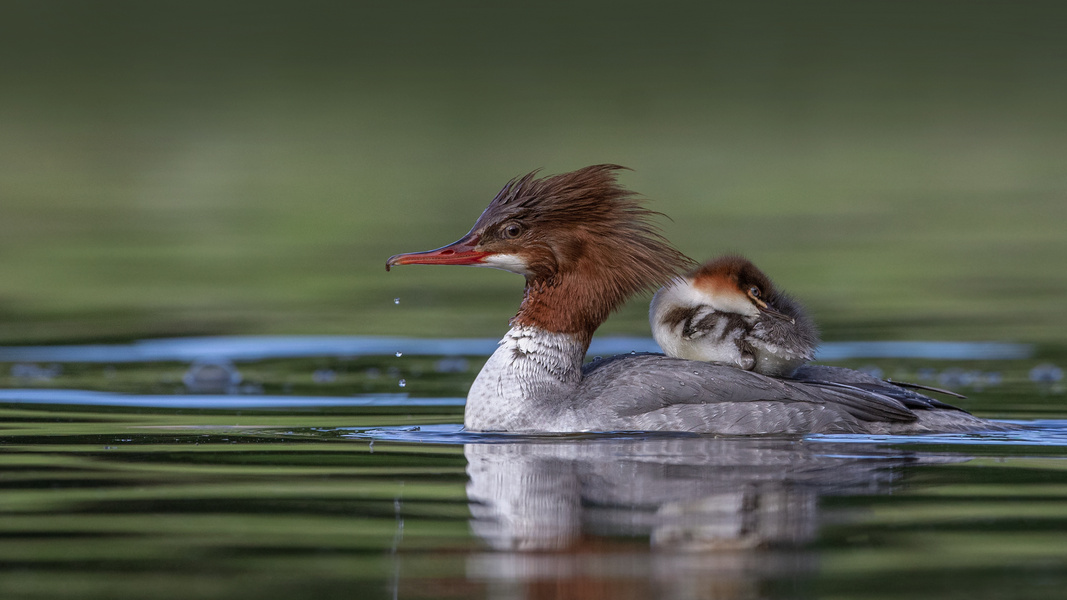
column 928, row 388
column 819, row 374
column 644, row 383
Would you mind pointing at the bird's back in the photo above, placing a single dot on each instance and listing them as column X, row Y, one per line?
column 658, row 393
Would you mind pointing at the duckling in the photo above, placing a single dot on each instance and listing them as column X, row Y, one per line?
column 728, row 311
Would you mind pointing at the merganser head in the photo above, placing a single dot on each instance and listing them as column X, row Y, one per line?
column 582, row 241
column 733, row 284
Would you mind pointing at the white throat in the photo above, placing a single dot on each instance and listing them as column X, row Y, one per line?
column 525, row 383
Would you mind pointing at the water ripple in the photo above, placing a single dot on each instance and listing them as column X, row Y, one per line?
column 251, row 348
column 1043, row 432
column 218, row 402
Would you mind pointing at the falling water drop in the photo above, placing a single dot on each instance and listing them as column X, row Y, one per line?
column 403, row 382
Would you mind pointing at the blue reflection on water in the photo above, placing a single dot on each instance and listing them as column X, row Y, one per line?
column 250, row 348
column 218, row 402
column 1044, row 432
column 1032, row 433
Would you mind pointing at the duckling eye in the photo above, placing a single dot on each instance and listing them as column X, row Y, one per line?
column 512, row 230
column 754, row 292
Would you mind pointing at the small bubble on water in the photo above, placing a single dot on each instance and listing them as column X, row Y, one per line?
column 403, row 383
column 396, row 300
column 399, row 354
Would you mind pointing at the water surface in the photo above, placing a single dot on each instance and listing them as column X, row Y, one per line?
column 301, row 473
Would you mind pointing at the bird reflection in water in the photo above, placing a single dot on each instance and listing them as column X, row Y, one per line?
column 724, row 517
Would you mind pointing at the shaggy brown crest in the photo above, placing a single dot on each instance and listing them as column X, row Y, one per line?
column 588, row 245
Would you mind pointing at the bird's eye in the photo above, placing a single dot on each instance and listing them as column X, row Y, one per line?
column 754, row 292
column 512, row 230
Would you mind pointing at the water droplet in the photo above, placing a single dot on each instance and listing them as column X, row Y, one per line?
column 399, row 354
column 403, row 382
column 396, row 300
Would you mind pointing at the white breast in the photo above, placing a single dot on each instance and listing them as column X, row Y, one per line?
column 523, row 381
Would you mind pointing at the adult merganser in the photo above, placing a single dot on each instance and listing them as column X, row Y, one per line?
column 584, row 246
column 728, row 311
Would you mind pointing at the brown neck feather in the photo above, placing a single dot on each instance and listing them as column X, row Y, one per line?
column 597, row 279
column 567, row 304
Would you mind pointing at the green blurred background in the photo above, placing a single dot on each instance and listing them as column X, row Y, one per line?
column 179, row 168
